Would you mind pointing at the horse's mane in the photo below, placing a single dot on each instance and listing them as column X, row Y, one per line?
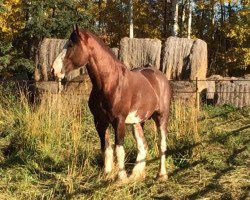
column 74, row 39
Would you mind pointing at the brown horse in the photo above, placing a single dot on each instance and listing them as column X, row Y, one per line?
column 120, row 97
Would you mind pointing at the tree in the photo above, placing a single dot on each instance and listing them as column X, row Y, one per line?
column 224, row 25
column 26, row 22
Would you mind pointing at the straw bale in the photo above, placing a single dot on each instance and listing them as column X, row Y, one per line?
column 47, row 52
column 185, row 59
column 135, row 52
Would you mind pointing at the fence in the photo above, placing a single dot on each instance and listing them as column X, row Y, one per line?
column 216, row 92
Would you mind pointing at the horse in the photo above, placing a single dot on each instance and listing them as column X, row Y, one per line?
column 118, row 97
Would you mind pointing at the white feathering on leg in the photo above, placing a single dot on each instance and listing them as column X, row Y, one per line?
column 120, row 153
column 108, row 159
column 138, row 171
column 163, row 148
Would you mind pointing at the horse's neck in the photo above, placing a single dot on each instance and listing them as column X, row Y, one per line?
column 104, row 70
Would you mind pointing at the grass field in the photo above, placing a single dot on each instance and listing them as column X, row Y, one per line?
column 51, row 151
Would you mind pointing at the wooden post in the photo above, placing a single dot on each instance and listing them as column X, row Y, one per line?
column 197, row 93
column 59, row 86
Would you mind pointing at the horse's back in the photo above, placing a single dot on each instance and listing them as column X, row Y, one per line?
column 156, row 78
column 159, row 83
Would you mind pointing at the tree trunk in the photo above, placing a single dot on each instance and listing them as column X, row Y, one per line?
column 189, row 19
column 175, row 6
column 183, row 5
column 131, row 23
column 100, row 14
column 167, row 26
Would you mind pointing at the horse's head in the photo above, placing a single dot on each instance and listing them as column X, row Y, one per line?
column 75, row 55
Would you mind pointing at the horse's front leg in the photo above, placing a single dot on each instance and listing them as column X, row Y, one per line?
column 101, row 124
column 106, row 147
column 139, row 169
column 119, row 127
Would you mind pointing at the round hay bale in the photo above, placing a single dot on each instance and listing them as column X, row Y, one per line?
column 183, row 89
column 116, row 51
column 47, row 52
column 231, row 90
column 136, row 52
column 185, row 59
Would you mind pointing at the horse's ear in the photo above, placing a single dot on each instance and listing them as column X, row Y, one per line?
column 85, row 37
column 77, row 29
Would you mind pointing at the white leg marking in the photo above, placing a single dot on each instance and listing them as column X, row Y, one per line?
column 120, row 153
column 108, row 159
column 139, row 169
column 163, row 148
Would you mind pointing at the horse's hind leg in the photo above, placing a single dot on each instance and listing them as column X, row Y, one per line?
column 139, row 168
column 161, row 129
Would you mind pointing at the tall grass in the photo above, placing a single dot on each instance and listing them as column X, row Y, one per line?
column 56, row 139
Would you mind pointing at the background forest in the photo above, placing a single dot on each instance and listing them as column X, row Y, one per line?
column 224, row 25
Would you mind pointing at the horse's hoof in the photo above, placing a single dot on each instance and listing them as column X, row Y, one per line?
column 122, row 175
column 162, row 177
column 136, row 176
column 109, row 176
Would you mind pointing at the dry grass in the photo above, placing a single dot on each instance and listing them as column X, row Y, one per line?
column 51, row 151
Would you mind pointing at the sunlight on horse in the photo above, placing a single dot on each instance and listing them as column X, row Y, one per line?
column 120, row 97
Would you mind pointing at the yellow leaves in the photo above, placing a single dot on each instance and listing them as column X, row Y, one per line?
column 228, row 1
column 11, row 19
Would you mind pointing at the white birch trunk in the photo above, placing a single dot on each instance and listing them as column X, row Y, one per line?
column 131, row 23
column 183, row 17
column 189, row 19
column 175, row 6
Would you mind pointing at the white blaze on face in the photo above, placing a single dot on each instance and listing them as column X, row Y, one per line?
column 58, row 64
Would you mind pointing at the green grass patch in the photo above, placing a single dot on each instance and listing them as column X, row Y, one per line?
column 51, row 151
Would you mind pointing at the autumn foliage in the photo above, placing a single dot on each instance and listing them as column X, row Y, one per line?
column 223, row 25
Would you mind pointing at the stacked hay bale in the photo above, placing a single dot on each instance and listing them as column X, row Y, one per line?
column 182, row 59
column 116, row 51
column 136, row 52
column 48, row 51
column 185, row 59
column 231, row 91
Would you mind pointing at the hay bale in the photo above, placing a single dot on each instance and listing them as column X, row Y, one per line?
column 185, row 91
column 211, row 86
column 185, row 59
column 80, row 85
column 136, row 52
column 47, row 52
column 232, row 91
column 116, row 51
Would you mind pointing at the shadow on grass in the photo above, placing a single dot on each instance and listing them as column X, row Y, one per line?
column 246, row 193
column 214, row 182
column 162, row 198
column 10, row 162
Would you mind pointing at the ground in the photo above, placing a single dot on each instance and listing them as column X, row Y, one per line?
column 208, row 156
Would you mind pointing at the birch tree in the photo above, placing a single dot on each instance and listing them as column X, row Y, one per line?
column 131, row 23
column 175, row 10
column 189, row 18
